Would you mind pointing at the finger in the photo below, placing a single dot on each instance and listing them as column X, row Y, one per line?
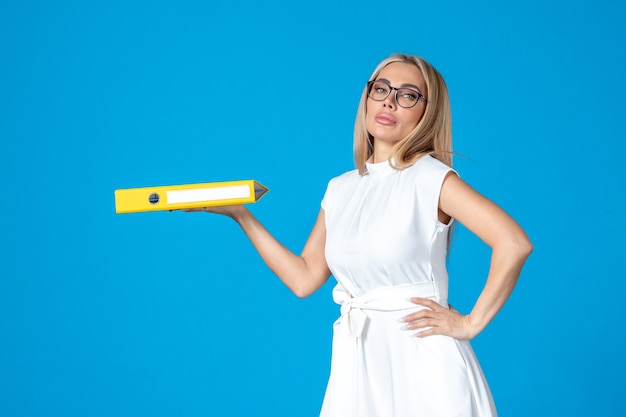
column 432, row 320
column 433, row 310
column 428, row 332
column 420, row 324
column 420, row 315
column 426, row 302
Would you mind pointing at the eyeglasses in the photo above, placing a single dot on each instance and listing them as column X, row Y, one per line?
column 405, row 97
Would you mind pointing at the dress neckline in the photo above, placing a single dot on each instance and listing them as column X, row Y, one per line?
column 379, row 168
column 384, row 168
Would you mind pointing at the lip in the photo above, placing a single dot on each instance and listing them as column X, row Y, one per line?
column 385, row 119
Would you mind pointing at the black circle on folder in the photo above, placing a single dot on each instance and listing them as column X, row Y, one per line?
column 154, row 198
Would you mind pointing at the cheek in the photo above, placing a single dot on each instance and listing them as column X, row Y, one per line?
column 416, row 118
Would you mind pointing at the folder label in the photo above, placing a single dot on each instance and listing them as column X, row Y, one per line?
column 210, row 194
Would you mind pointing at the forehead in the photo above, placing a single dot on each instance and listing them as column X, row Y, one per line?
column 399, row 73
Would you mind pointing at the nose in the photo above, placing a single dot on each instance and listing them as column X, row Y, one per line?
column 390, row 101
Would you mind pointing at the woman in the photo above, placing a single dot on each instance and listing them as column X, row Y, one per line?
column 383, row 229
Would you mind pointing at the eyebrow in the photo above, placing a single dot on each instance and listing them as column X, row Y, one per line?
column 403, row 85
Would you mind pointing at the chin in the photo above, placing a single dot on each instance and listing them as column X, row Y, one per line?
column 387, row 139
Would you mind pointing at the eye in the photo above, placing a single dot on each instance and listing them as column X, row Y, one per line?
column 409, row 94
column 380, row 87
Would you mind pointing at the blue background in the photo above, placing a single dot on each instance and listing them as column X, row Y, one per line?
column 174, row 314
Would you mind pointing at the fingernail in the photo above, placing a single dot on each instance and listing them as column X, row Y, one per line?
column 407, row 327
column 402, row 320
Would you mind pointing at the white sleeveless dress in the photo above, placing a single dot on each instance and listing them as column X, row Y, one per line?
column 385, row 244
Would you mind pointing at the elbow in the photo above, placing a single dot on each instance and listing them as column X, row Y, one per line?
column 523, row 246
column 527, row 246
column 301, row 289
column 515, row 246
column 301, row 292
column 306, row 288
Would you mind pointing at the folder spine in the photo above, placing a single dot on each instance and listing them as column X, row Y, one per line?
column 175, row 197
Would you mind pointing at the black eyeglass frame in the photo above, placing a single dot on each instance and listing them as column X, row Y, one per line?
column 419, row 95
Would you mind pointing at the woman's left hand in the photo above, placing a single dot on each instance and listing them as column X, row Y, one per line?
column 438, row 320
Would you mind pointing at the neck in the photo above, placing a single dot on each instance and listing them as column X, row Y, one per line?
column 382, row 152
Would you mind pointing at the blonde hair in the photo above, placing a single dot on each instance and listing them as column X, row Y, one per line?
column 433, row 133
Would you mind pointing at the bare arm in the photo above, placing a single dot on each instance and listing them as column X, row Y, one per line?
column 510, row 248
column 303, row 274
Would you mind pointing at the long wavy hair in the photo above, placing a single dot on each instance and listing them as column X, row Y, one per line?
column 433, row 133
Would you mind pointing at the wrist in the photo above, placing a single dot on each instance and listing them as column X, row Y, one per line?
column 474, row 326
column 240, row 214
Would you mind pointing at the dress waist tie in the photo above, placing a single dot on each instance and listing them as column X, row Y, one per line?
column 349, row 331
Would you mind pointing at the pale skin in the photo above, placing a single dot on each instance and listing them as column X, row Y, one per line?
column 305, row 273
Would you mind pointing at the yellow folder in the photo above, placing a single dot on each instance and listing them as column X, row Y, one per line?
column 174, row 197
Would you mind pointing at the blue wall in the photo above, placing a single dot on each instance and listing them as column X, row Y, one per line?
column 164, row 314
